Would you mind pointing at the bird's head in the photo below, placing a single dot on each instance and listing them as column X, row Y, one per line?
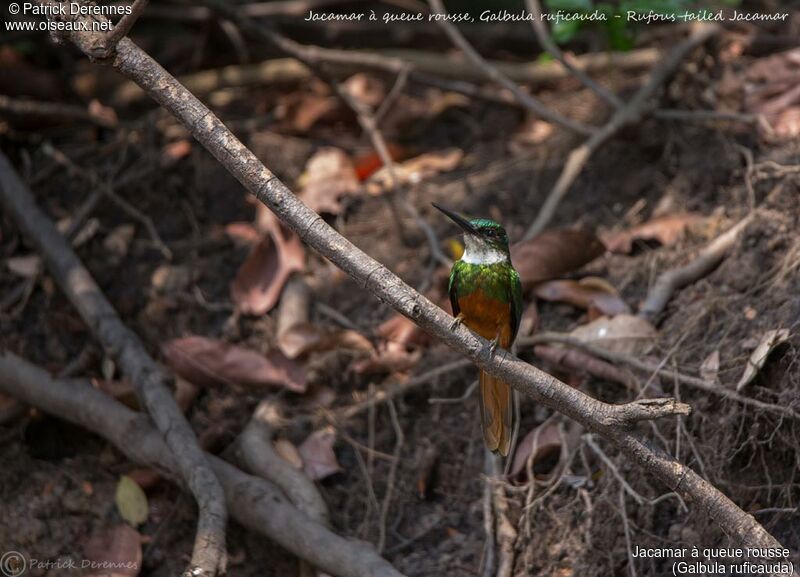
column 485, row 241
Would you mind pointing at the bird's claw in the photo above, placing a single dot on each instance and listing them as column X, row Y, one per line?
column 457, row 321
column 493, row 345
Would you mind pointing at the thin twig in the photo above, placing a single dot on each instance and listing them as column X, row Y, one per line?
column 104, row 46
column 387, row 497
column 654, row 368
column 491, row 72
column 631, row 113
column 546, row 41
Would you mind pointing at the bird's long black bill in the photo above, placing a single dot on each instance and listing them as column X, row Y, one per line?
column 457, row 218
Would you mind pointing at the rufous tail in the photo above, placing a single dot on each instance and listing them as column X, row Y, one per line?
column 497, row 413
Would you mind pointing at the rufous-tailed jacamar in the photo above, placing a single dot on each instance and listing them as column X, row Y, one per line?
column 486, row 295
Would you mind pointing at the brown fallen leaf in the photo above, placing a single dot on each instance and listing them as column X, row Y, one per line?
column 772, row 89
column 553, row 254
column 258, row 283
column 329, row 176
column 242, row 233
column 542, row 442
column 666, row 230
column 365, row 88
column 599, row 298
column 145, row 477
column 207, row 362
column 121, row 390
column 529, row 323
column 174, row 151
column 319, row 460
column 289, row 453
column 24, row 266
column 415, row 170
column 304, row 338
column 103, row 113
column 758, row 358
column 114, row 552
column 624, row 333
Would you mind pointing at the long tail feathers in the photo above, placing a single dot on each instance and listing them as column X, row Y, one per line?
column 497, row 413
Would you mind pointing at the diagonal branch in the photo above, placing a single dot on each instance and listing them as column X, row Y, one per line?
column 611, row 421
column 525, row 99
column 547, row 43
column 122, row 344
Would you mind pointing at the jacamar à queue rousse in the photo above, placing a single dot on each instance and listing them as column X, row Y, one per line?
column 486, row 295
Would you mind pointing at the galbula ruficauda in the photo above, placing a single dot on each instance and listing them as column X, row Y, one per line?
column 486, row 295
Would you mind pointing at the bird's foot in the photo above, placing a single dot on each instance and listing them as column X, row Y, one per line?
column 493, row 345
column 457, row 321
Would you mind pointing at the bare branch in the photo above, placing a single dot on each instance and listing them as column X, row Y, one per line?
column 705, row 262
column 105, row 45
column 546, row 41
column 208, row 557
column 255, row 503
column 629, row 114
column 602, row 418
column 525, row 99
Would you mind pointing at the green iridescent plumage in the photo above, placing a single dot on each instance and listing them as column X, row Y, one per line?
column 499, row 281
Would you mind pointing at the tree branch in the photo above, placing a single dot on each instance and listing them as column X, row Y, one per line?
column 122, row 344
column 594, row 415
column 493, row 74
column 255, row 503
column 629, row 114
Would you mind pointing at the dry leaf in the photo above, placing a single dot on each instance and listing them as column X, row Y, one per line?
column 175, row 151
column 319, row 460
column 367, row 89
column 304, row 338
column 145, row 477
column 329, row 176
column 242, row 233
column 103, row 113
column 542, row 442
column 529, row 323
column 666, row 230
column 553, row 254
column 118, row 242
column 367, row 164
column 259, row 281
column 122, row 390
column 772, row 89
column 589, row 293
column 415, row 170
column 116, row 552
column 24, row 266
column 289, row 453
column 623, row 333
column 169, row 278
column 758, row 358
column 709, row 369
column 402, row 330
column 131, row 501
column 301, row 112
column 207, row 362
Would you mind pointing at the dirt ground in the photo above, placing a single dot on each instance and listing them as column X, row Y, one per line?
column 57, row 482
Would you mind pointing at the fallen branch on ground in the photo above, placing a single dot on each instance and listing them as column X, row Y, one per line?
column 121, row 344
column 654, row 368
column 614, row 422
column 629, row 114
column 253, row 502
column 674, row 279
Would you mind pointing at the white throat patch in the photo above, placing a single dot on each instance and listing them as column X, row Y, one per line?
column 478, row 252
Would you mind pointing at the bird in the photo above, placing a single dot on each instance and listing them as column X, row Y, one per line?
column 486, row 296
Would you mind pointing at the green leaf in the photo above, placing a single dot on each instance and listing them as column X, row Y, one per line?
column 563, row 31
column 131, row 501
